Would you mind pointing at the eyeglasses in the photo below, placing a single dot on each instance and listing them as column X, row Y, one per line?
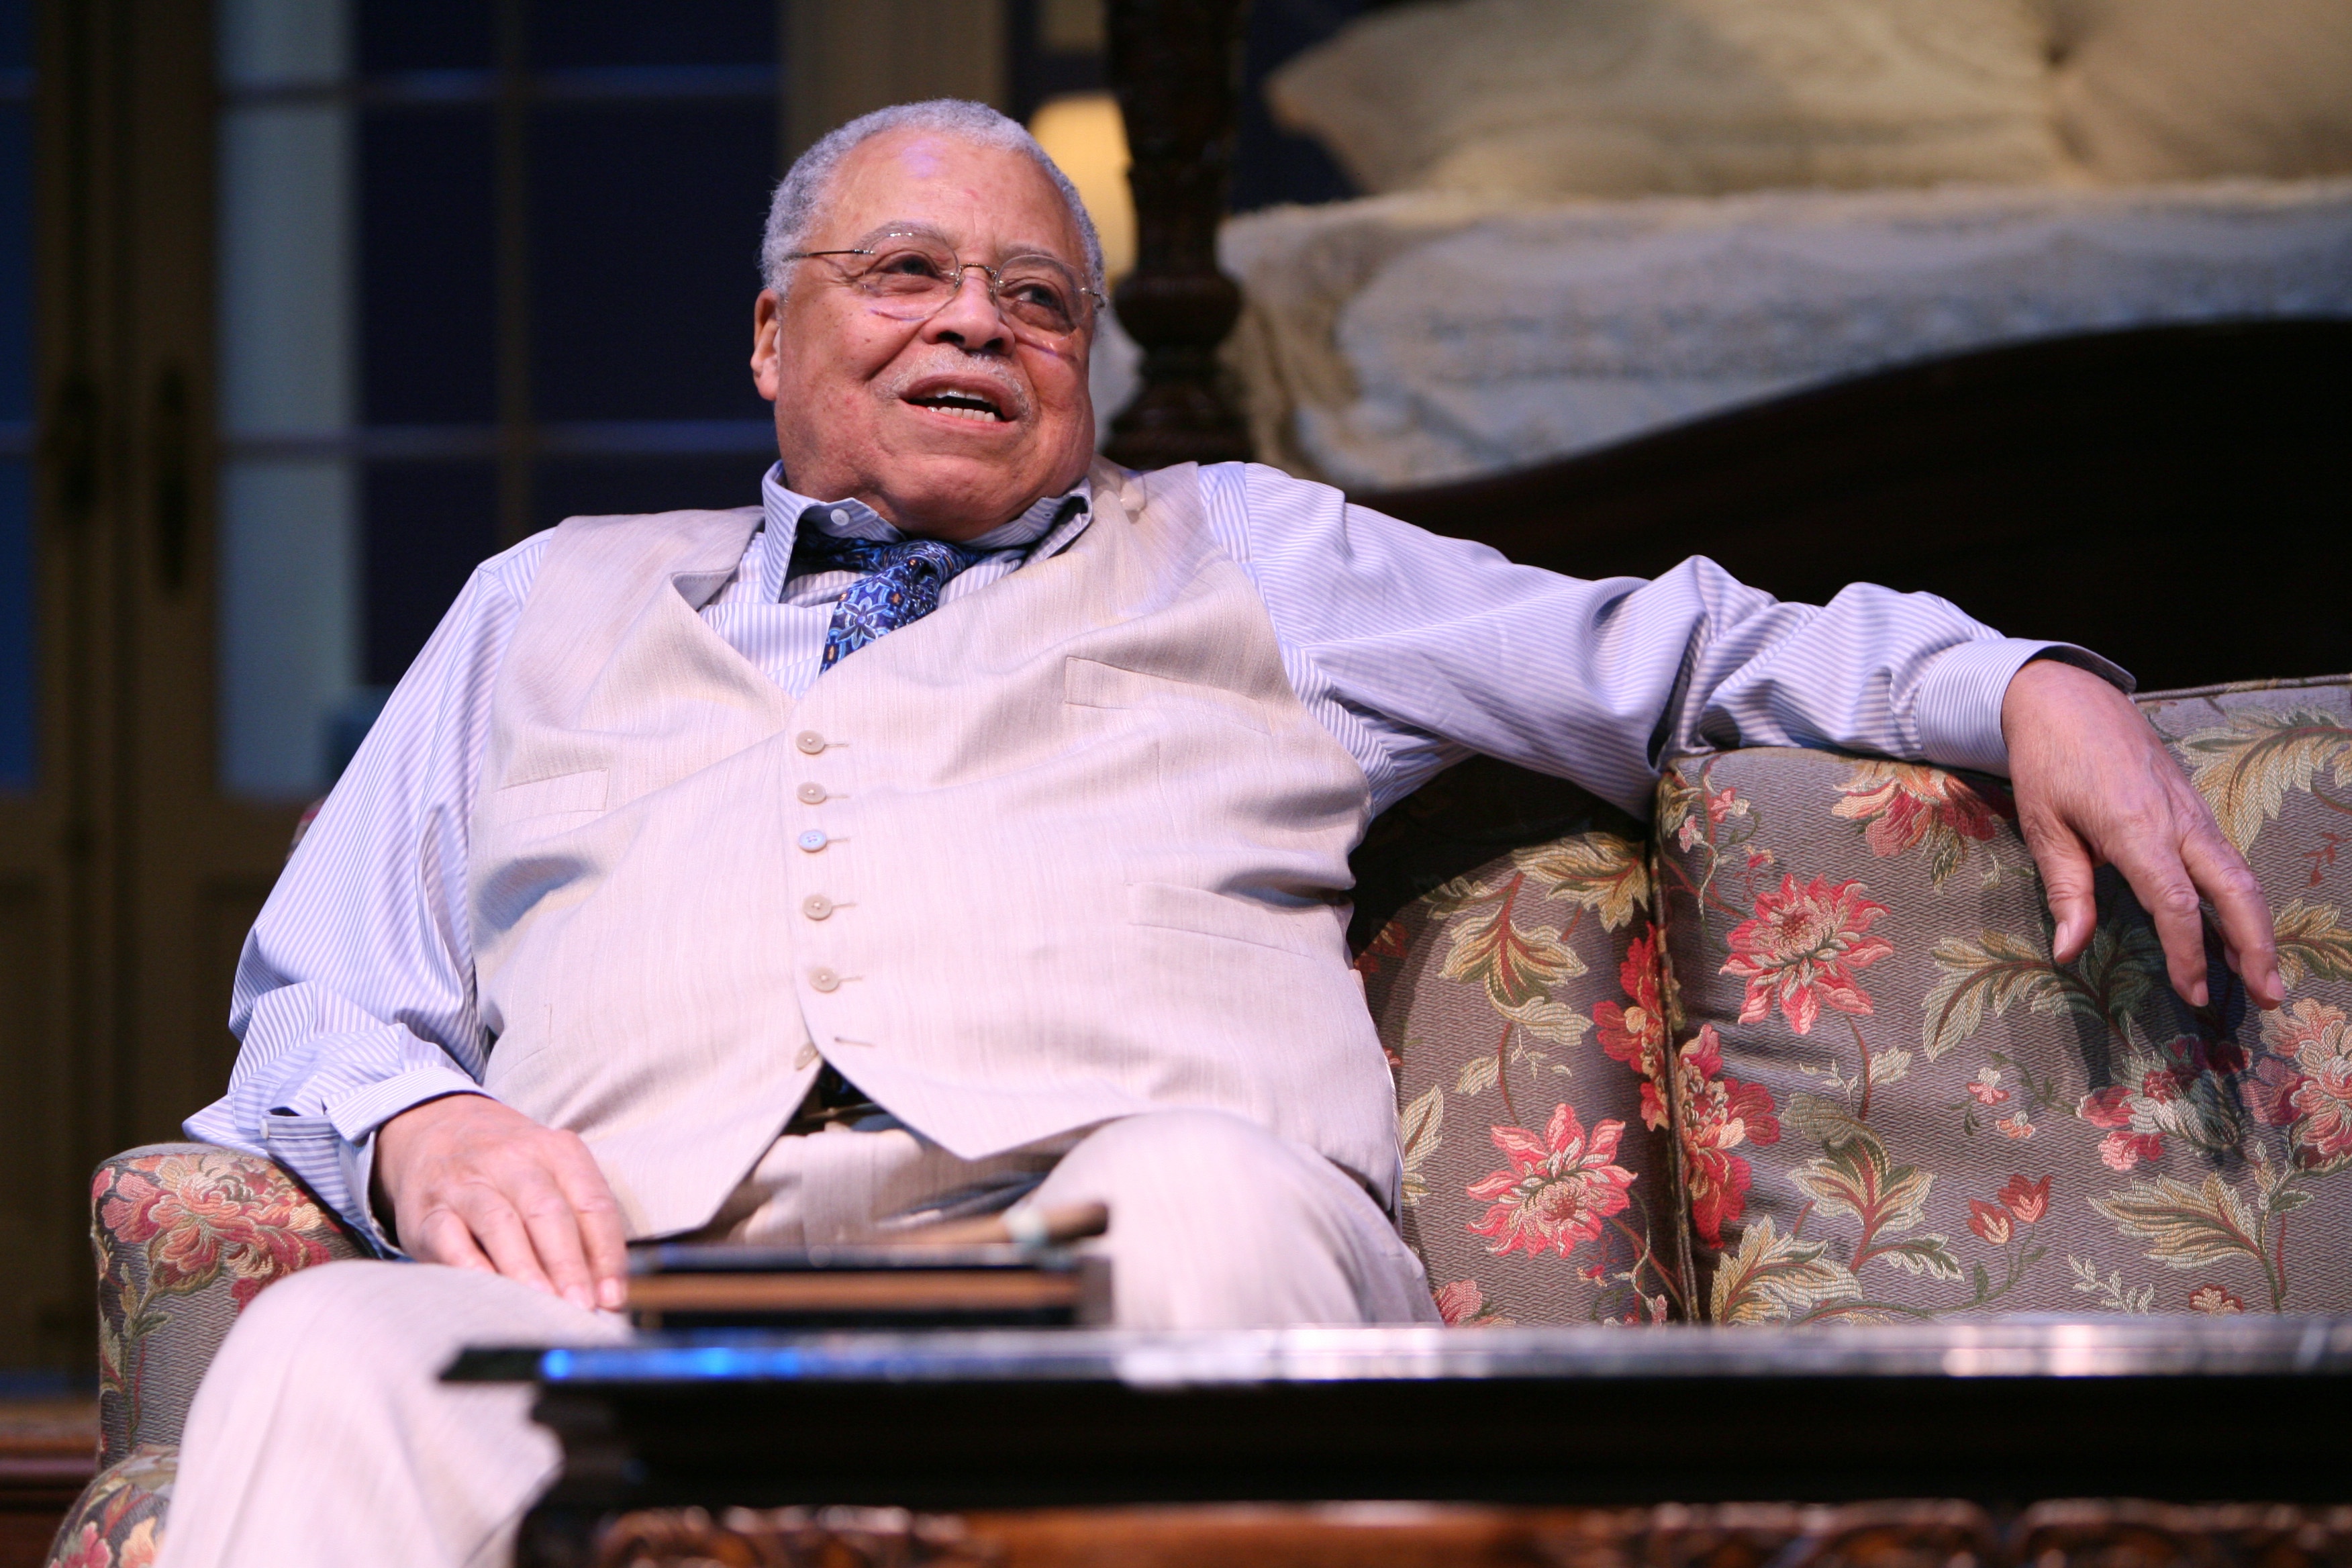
column 915, row 276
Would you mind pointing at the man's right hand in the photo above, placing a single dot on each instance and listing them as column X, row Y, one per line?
column 476, row 1184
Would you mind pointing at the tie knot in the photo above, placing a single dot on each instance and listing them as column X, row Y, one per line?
column 816, row 551
column 898, row 582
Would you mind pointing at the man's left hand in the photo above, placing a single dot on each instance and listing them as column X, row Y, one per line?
column 2095, row 786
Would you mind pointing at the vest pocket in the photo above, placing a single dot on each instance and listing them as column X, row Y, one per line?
column 1203, row 913
column 1090, row 683
column 563, row 794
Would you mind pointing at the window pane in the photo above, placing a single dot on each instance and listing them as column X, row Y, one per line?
column 673, row 33
column 427, row 246
column 286, row 653
column 426, row 35
column 16, row 35
column 429, row 524
column 591, row 486
column 288, row 626
column 645, row 241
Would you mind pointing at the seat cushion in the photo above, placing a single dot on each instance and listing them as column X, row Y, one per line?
column 1516, row 999
column 1892, row 1105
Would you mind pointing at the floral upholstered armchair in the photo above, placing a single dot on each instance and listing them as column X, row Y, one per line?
column 1795, row 1053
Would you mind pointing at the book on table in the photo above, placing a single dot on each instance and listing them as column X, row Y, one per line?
column 985, row 1274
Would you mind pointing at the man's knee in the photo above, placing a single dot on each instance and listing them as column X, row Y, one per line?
column 1216, row 1222
column 375, row 1321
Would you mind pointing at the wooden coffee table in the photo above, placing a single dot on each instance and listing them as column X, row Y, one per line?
column 1994, row 1417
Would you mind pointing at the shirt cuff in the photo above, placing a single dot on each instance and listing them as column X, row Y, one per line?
column 357, row 1117
column 359, row 1113
column 1960, row 696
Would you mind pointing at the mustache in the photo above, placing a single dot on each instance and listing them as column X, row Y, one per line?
column 1016, row 394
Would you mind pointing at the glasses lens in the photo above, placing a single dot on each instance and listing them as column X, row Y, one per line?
column 916, row 274
column 1040, row 292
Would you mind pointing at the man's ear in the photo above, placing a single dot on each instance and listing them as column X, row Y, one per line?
column 767, row 323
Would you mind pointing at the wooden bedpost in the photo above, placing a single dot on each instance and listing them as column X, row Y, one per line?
column 1177, row 65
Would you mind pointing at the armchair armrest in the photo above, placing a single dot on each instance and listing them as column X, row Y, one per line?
column 185, row 1235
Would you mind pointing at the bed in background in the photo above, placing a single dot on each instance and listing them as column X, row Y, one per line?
column 2043, row 306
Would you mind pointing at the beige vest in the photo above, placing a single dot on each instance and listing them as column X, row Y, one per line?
column 1067, row 849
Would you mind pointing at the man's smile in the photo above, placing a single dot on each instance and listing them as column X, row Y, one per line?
column 968, row 399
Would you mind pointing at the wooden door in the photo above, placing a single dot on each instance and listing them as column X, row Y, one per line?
column 126, row 877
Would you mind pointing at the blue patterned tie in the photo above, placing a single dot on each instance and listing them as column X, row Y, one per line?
column 901, row 584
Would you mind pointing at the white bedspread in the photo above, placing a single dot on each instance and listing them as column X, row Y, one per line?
column 1410, row 340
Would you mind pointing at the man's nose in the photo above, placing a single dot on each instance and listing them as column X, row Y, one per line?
column 970, row 318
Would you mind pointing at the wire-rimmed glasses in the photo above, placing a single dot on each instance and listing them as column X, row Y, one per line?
column 914, row 276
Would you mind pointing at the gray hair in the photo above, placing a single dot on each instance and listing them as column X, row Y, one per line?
column 794, row 213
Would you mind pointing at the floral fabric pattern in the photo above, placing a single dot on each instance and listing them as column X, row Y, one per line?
column 1897, row 1107
column 118, row 1522
column 185, row 1235
column 1519, row 1002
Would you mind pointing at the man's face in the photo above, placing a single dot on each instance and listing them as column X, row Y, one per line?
column 878, row 408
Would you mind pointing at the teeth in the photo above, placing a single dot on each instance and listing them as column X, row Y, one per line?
column 962, row 407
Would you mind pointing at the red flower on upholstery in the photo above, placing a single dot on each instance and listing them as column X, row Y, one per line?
column 2272, row 1086
column 1989, row 1221
column 1463, row 1304
column 1723, row 1113
column 2314, row 1094
column 2108, row 1107
column 1560, row 1186
column 1905, row 802
column 2141, row 1116
column 87, row 1550
column 201, row 1215
column 1722, row 804
column 2214, row 1301
column 1800, row 948
column 1985, row 1087
column 2028, row 1201
column 1635, row 1032
column 2015, row 1126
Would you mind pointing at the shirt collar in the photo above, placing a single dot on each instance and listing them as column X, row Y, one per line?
column 785, row 512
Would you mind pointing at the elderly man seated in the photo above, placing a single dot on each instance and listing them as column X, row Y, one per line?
column 967, row 824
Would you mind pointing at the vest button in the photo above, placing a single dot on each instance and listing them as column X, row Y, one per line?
column 812, row 840
column 806, row 1057
column 817, row 906
column 809, row 741
column 824, row 980
column 811, row 793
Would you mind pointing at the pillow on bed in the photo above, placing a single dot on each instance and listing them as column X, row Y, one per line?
column 1543, row 98
column 2183, row 90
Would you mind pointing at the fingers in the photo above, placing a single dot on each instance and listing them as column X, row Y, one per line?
column 442, row 1236
column 603, row 1240
column 2066, row 884
column 2154, row 869
column 2240, row 909
column 554, row 1234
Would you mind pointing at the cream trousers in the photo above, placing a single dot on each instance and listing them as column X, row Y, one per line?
column 321, row 1433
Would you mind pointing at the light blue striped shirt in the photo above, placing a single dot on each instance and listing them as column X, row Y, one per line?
column 354, row 996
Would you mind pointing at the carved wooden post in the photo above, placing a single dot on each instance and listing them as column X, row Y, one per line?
column 1177, row 67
